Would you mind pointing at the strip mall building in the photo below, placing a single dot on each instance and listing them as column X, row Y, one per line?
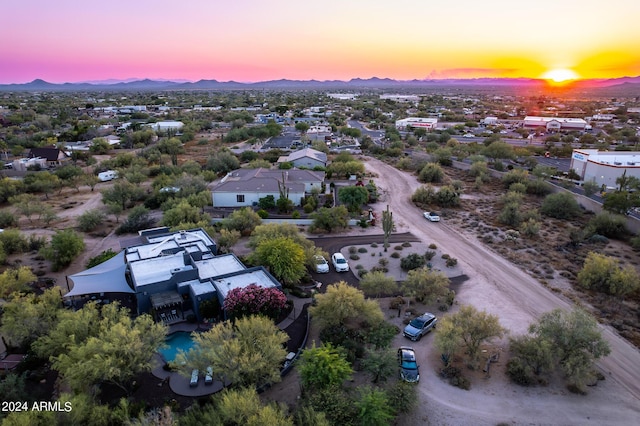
column 604, row 167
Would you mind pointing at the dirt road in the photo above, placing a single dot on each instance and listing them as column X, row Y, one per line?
column 501, row 288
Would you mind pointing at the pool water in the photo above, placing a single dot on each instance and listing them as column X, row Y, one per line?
column 179, row 340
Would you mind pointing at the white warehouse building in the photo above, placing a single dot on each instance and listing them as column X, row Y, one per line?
column 604, row 167
column 417, row 122
column 556, row 123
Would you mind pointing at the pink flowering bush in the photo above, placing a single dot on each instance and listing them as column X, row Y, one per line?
column 255, row 300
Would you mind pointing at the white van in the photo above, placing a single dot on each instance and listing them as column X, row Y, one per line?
column 107, row 176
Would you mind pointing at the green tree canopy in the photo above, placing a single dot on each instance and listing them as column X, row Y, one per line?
column 15, row 280
column 354, row 197
column 243, row 220
column 561, row 205
column 466, row 330
column 64, row 247
column 575, row 341
column 330, row 218
column 344, row 305
column 425, row 285
column 377, row 283
column 603, row 273
column 323, row 367
column 113, row 348
column 284, row 257
column 248, row 353
column 27, row 317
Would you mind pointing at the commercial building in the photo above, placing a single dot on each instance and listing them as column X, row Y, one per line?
column 416, row 122
column 604, row 167
column 556, row 123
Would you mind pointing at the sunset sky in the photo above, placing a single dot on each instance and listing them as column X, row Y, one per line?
column 257, row 40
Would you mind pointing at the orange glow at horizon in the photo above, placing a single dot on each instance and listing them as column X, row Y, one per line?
column 560, row 75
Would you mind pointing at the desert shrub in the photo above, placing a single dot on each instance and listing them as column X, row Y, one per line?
column 406, row 244
column 608, row 224
column 359, row 266
column 352, row 249
column 538, row 187
column 90, row 220
column 530, row 228
column 447, row 196
column 597, row 238
column 445, row 256
column 295, row 214
column 515, row 176
column 374, row 245
column 432, row 246
column 561, row 206
column 362, row 250
column 380, row 269
column 36, row 242
column 395, row 255
column 354, row 257
column 635, row 243
column 139, row 218
column 431, row 172
column 398, row 248
column 451, row 262
column 263, row 214
column 396, row 302
column 383, row 262
column 518, row 187
column 428, row 255
column 362, row 272
column 13, row 241
column 102, row 257
column 7, row 219
column 412, row 261
column 308, row 208
column 423, row 195
column 510, row 215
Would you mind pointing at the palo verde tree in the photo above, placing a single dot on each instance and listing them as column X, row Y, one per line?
column 603, row 273
column 568, row 339
column 284, row 257
column 248, row 352
column 465, row 331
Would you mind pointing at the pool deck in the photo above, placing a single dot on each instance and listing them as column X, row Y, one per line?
column 180, row 384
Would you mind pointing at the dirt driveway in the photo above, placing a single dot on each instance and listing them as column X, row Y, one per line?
column 500, row 288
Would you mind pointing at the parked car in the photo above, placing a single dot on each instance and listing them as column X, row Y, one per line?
column 322, row 266
column 420, row 326
column 468, row 135
column 431, row 216
column 339, row 262
column 409, row 368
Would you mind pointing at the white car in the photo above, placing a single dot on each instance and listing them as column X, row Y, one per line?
column 339, row 262
column 431, row 216
column 322, row 266
column 468, row 135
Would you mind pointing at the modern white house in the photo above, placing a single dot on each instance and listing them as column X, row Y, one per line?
column 245, row 187
column 555, row 123
column 427, row 123
column 604, row 167
column 306, row 157
column 168, row 274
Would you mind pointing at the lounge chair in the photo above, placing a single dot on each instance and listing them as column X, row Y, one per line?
column 194, row 379
column 208, row 379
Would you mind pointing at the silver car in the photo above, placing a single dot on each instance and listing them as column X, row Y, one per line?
column 420, row 326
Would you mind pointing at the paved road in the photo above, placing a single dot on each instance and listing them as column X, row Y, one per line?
column 501, row 288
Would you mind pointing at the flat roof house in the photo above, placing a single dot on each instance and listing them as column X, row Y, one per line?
column 169, row 274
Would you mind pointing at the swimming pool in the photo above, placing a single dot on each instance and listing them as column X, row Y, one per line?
column 178, row 340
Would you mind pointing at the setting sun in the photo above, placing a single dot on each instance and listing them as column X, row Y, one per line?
column 560, row 75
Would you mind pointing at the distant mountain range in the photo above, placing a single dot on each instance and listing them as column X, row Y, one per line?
column 353, row 84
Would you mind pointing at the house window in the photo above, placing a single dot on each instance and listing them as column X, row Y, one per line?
column 240, row 198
